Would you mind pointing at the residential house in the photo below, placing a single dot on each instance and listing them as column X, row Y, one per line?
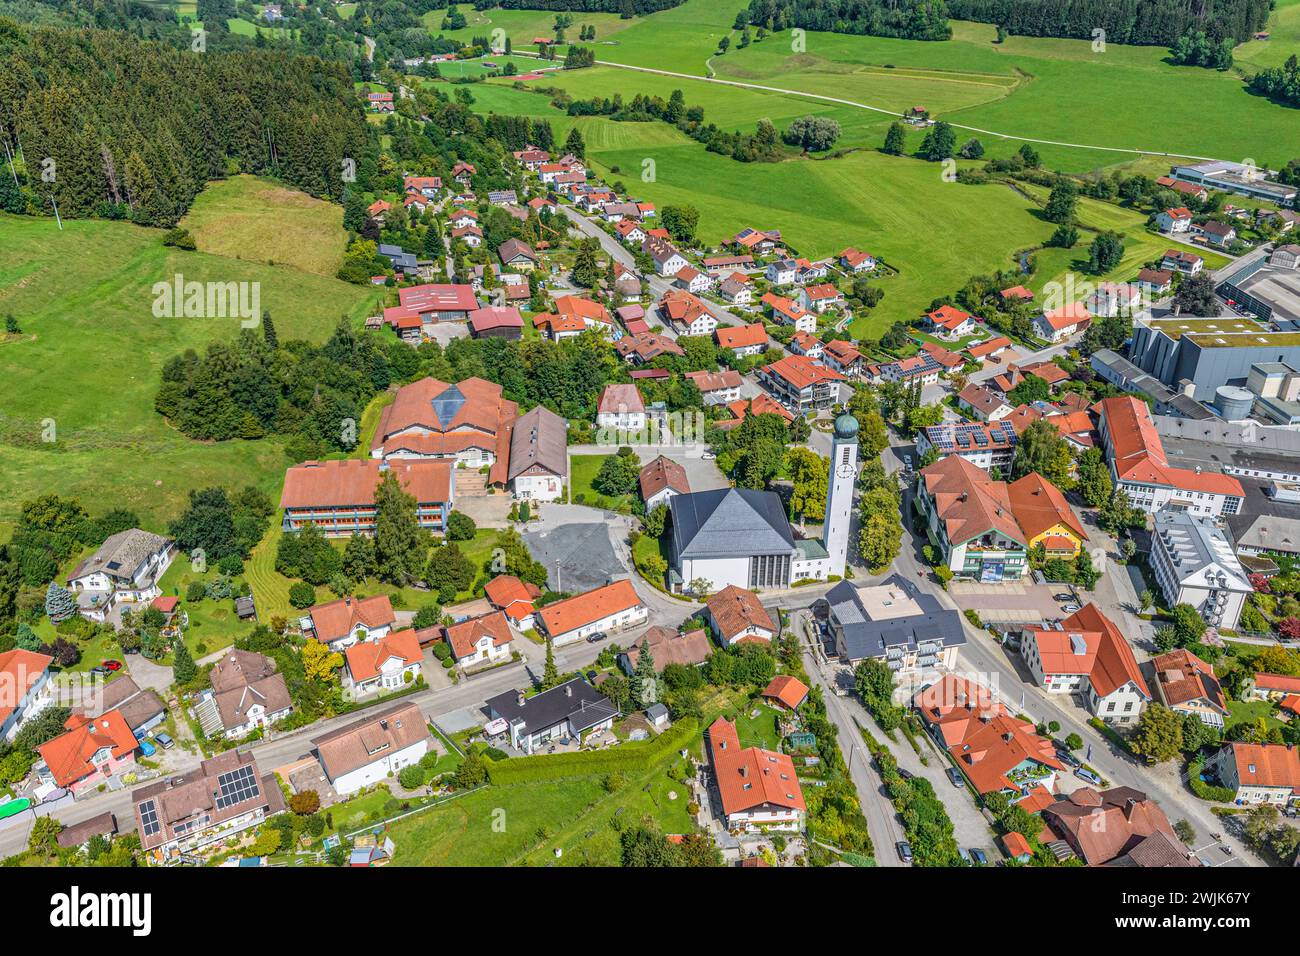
column 497, row 322
column 821, row 297
column 514, row 598
column 427, row 186
column 377, row 209
column 854, row 260
column 988, row 349
column 805, row 343
column 788, row 312
column 717, row 388
column 386, row 665
column 643, row 347
column 217, row 800
column 1180, row 260
column 668, row 646
column 620, row 408
column 630, row 232
column 843, row 357
column 1259, row 773
column 613, row 607
column 1087, row 655
column 517, row 255
column 24, row 688
column 89, row 753
column 1059, row 324
column 1114, row 298
column 894, row 622
column 668, row 261
column 472, row 236
column 948, row 322
column 539, row 455
column 982, row 403
column 736, row 616
column 1186, row 684
column 756, row 788
column 986, row 446
column 481, row 640
column 347, row 621
column 995, row 750
column 338, row 496
column 1194, row 563
column 370, row 750
column 1155, row 281
column 245, row 692
column 125, row 569
column 742, row 340
column 1220, row 234
column 660, row 480
column 757, row 242
column 800, row 384
column 1274, row 687
column 567, row 712
column 736, row 289
column 760, row 404
column 1118, row 827
column 685, row 314
column 1175, row 220
column 692, row 280
column 467, row 423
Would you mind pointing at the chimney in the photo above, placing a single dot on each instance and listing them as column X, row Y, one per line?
column 744, row 771
column 347, row 601
column 568, row 690
column 383, row 723
column 520, row 700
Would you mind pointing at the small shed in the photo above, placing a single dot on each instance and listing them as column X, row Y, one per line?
column 245, row 609
column 657, row 714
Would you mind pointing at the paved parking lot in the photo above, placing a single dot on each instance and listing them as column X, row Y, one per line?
column 578, row 554
column 1010, row 602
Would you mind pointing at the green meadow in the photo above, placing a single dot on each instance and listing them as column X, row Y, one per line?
column 86, row 366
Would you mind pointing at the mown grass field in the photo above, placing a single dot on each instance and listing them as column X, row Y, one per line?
column 87, row 365
column 259, row 220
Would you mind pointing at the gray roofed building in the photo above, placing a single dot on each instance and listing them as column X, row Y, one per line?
column 371, row 740
column 399, row 257
column 141, row 709
column 78, row 834
column 539, row 444
column 729, row 522
column 1194, row 563
column 1119, row 371
column 568, row 710
column 1261, row 534
column 122, row 555
column 895, row 622
column 247, row 692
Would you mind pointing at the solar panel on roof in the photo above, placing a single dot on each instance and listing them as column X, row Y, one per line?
column 236, row 786
column 448, row 405
column 149, row 818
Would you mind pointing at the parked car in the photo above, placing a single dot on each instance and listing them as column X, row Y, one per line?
column 112, row 665
column 904, row 851
column 905, row 774
column 955, row 778
column 1070, row 608
column 147, row 748
column 1067, row 758
column 597, row 637
column 1083, row 773
column 708, row 456
column 964, row 854
column 164, row 741
column 99, row 670
column 1063, row 598
column 979, row 856
column 130, row 650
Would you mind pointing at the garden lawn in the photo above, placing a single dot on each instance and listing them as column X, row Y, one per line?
column 760, row 730
column 213, row 623
column 1249, row 711
column 582, row 472
column 87, row 366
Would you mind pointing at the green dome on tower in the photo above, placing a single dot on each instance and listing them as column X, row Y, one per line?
column 846, row 427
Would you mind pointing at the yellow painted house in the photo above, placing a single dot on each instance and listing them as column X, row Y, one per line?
column 1046, row 517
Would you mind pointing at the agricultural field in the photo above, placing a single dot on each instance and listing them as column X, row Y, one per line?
column 259, row 220
column 521, row 26
column 86, row 366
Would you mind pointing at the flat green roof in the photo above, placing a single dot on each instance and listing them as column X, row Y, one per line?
column 1240, row 340
column 1175, row 328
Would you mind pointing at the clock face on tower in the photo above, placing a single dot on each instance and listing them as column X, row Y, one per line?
column 845, row 470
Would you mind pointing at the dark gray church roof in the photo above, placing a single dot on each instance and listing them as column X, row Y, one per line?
column 729, row 523
column 864, row 637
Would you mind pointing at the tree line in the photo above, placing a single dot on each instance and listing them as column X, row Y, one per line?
column 1140, row 22
column 119, row 127
column 903, row 19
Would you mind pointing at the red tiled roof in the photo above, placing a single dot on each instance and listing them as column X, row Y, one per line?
column 751, row 777
column 619, row 397
column 509, row 594
column 365, row 658
column 352, row 482
column 1066, row 316
column 663, row 473
column 1277, row 683
column 69, row 755
column 801, row 371
column 1107, row 658
column 987, row 347
column 1267, row 765
column 741, row 336
column 734, row 609
column 948, row 317
column 337, row 619
column 19, row 671
column 589, row 607
column 788, row 690
column 1138, row 455
column 464, row 636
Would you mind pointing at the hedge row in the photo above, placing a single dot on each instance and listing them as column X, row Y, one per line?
column 624, row 758
column 1206, row 791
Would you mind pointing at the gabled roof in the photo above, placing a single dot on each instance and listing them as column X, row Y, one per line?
column 982, row 400
column 969, row 502
column 69, row 755
column 367, row 658
column 465, row 636
column 741, row 336
column 790, row 691
column 121, row 554
column 729, row 522
column 589, row 607
column 948, row 317
column 663, row 473
column 509, row 594
column 337, row 619
column 1089, row 643
column 619, row 398
column 362, row 743
column 735, row 609
column 750, row 777
column 1067, row 316
column 1182, row 677
column 350, row 482
column 19, row 671
column 671, row 646
column 802, row 372
column 1038, row 505
column 539, row 443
